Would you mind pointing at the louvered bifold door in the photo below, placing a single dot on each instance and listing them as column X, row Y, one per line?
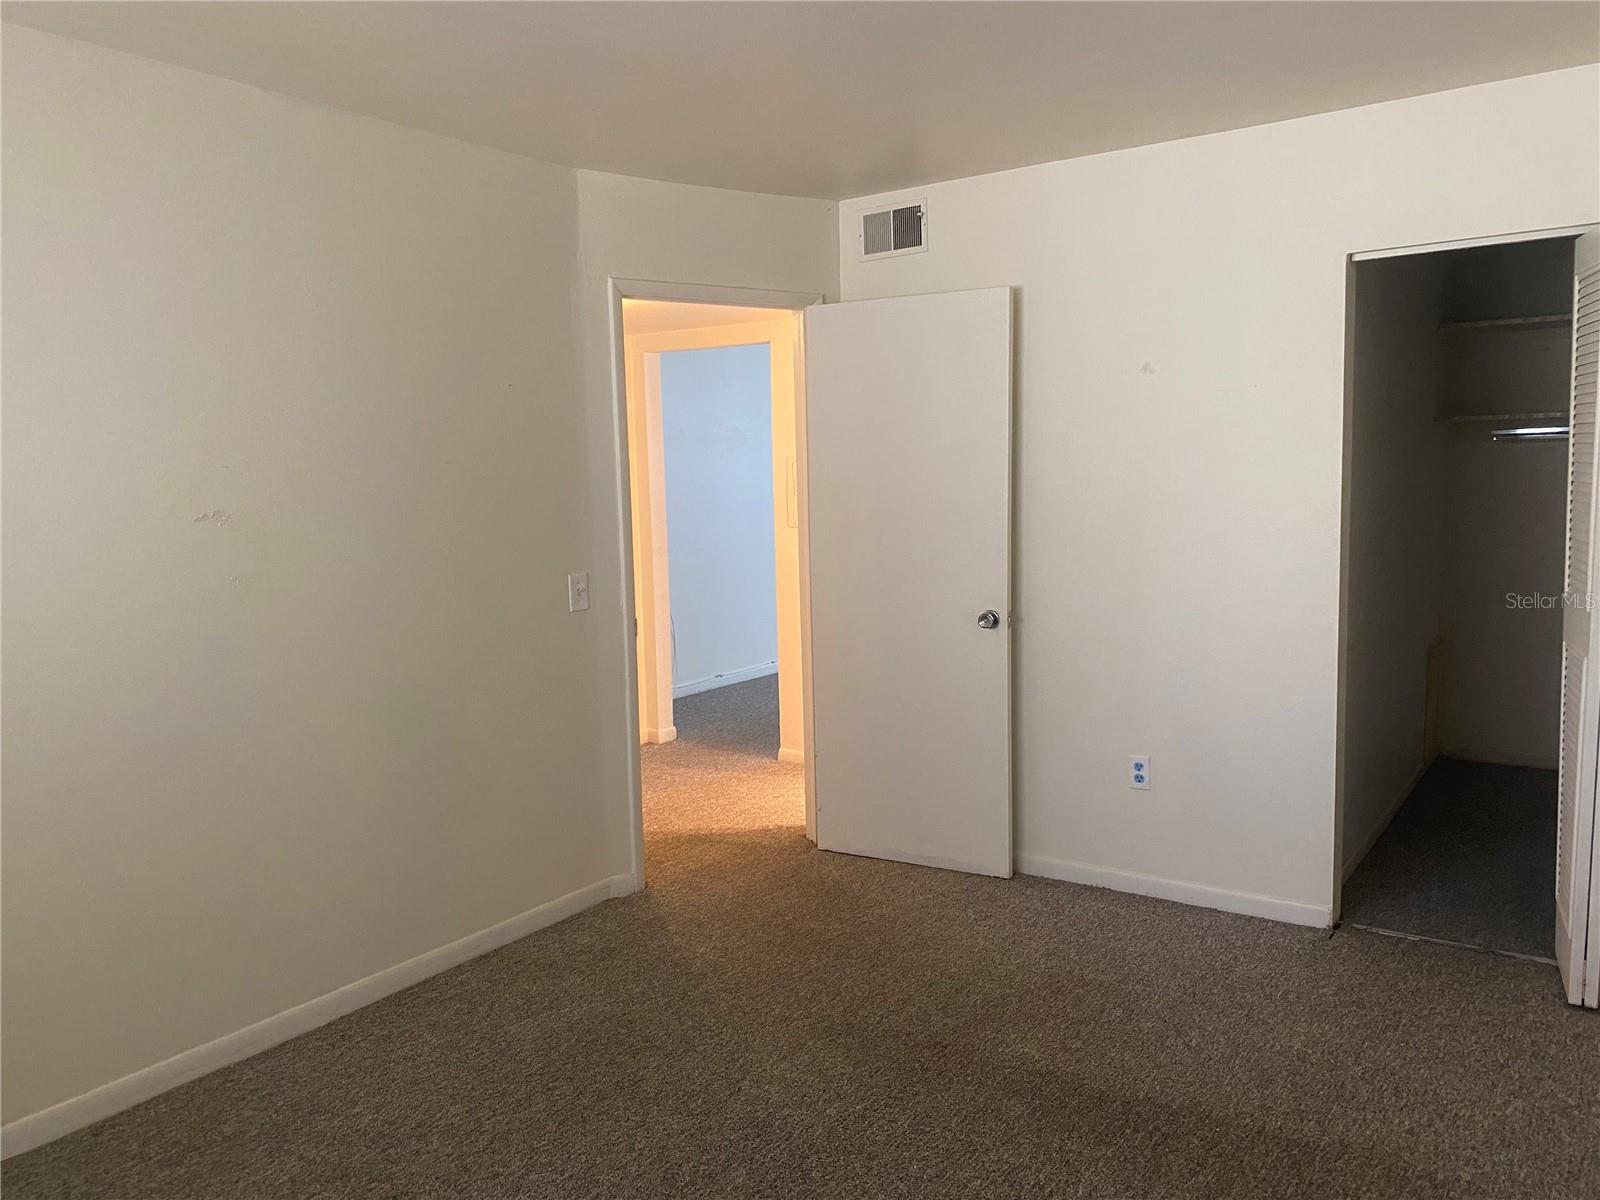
column 1576, row 942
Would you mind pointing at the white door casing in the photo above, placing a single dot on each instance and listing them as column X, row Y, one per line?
column 908, row 460
column 647, row 476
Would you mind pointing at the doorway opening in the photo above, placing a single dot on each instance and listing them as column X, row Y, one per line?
column 901, row 407
column 1457, row 494
column 712, row 399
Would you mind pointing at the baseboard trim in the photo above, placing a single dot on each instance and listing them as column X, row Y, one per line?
column 712, row 682
column 34, row 1130
column 789, row 754
column 660, row 737
column 1292, row 912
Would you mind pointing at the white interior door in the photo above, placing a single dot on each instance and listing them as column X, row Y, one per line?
column 908, row 432
column 1577, row 922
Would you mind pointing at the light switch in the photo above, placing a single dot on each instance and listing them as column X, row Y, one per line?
column 578, row 592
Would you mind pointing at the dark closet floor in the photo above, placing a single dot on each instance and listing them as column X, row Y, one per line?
column 1470, row 858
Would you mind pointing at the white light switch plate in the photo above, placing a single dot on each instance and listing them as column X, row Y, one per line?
column 1139, row 772
column 578, row 592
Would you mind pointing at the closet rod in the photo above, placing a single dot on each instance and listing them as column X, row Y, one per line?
column 1531, row 433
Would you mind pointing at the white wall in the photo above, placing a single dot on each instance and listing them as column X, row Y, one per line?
column 301, row 440
column 1505, row 531
column 716, row 424
column 1180, row 404
column 291, row 691
column 1396, row 538
column 639, row 229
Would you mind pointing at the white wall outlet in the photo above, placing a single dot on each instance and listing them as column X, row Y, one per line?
column 1139, row 772
column 578, row 592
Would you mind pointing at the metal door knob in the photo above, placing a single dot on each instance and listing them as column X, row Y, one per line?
column 988, row 619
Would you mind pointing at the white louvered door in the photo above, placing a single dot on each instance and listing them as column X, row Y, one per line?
column 1577, row 918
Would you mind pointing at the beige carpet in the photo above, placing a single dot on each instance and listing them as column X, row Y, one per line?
column 770, row 1021
column 723, row 773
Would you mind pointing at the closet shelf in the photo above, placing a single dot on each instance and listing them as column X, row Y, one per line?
column 1511, row 322
column 1523, row 416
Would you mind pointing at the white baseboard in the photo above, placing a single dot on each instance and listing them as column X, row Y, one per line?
column 712, row 682
column 789, row 754
column 1293, row 912
column 660, row 737
column 26, row 1133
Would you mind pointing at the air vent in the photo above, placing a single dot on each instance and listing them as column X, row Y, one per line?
column 897, row 230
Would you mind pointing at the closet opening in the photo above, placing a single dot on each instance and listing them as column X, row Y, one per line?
column 1455, row 592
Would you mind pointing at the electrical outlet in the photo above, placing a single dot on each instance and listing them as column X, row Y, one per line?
column 578, row 592
column 1139, row 772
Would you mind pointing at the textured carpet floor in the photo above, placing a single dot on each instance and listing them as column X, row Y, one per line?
column 1469, row 858
column 769, row 1021
column 723, row 773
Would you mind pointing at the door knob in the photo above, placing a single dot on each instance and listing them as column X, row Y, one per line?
column 988, row 619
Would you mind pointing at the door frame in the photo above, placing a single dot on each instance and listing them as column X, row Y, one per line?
column 1339, row 873
column 620, row 288
column 652, row 536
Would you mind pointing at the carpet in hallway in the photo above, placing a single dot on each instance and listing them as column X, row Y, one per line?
column 722, row 773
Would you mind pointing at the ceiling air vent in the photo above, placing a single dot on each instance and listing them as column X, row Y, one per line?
column 897, row 230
